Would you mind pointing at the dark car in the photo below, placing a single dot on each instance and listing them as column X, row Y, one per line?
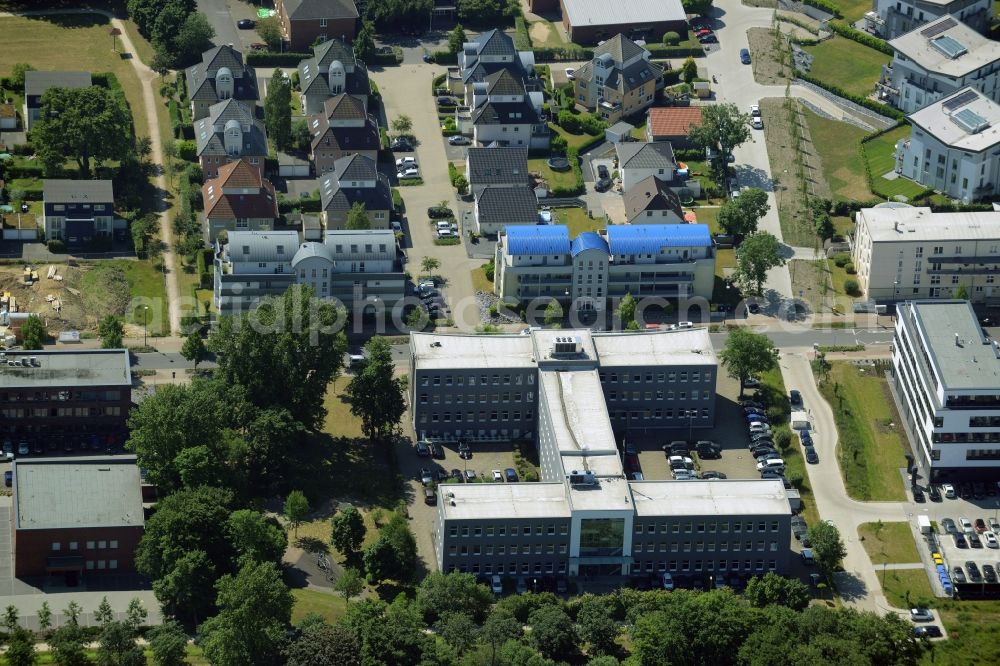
column 510, row 474
column 975, row 541
column 708, row 39
column 707, row 449
column 8, row 478
column 805, row 438
column 758, row 451
column 745, row 56
column 457, row 475
column 930, row 631
column 794, row 397
column 401, row 144
column 934, row 492
column 426, row 476
column 989, row 573
column 958, row 575
column 602, row 171
column 677, row 448
column 427, row 57
column 811, row 456
column 960, row 541
column 603, row 184
column 470, row 475
column 973, row 570
column 258, row 46
column 949, row 526
column 747, row 402
column 464, row 451
column 710, row 474
column 918, row 495
column 444, row 100
column 439, row 212
column 430, row 497
column 437, row 451
column 442, row 475
column 754, row 410
column 246, row 24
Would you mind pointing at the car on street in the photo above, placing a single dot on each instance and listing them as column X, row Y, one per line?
column 973, row 570
column 570, row 73
column 412, row 172
column 811, row 456
column 921, row 615
column 745, row 56
column 966, row 525
column 757, row 122
column 459, row 140
column 794, row 397
column 980, row 525
column 510, row 474
column 246, row 24
column 958, row 574
column 497, row 476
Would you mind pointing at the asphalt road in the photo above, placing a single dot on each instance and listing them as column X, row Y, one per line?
column 217, row 13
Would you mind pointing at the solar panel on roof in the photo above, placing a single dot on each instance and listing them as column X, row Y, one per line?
column 959, row 100
column 937, row 29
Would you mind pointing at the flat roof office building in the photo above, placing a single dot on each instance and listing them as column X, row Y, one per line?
column 585, row 518
column 946, row 373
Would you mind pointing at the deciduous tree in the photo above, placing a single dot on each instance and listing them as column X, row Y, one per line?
column 828, row 548
column 552, row 632
column 723, row 127
column 699, row 7
column 758, row 253
column 747, row 354
column 20, row 648
column 553, row 313
column 324, row 645
column 364, row 41
column 193, row 39
column 402, row 124
column 357, row 217
column 493, row 13
column 772, row 589
column 296, row 509
column 596, row 626
column 349, row 584
column 429, row 265
column 169, row 644
column 375, row 393
column 626, row 311
column 255, row 538
column 347, row 531
column 33, row 333
column 111, row 332
column 269, row 30
column 117, row 646
column 185, row 589
column 104, row 615
column 739, row 216
column 194, row 348
column 456, row 38
column 278, row 110
column 457, row 593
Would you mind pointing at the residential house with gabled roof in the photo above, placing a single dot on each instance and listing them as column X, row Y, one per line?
column 240, row 198
column 343, row 128
column 492, row 52
column 637, row 160
column 498, row 207
column 506, row 166
column 333, row 70
column 673, row 124
column 222, row 74
column 252, row 265
column 305, row 21
column 651, row 201
column 618, row 81
column 78, row 211
column 230, row 132
column 505, row 113
column 36, row 82
column 938, row 59
column 355, row 179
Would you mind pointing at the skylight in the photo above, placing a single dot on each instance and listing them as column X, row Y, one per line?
column 949, row 46
column 970, row 121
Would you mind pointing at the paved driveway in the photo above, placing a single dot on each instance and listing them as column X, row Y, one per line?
column 219, row 17
column 407, row 90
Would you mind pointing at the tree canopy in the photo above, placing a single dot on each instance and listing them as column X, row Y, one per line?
column 33, row 333
column 492, row 13
column 278, row 110
column 747, row 354
column 723, row 127
column 375, row 393
column 827, row 546
column 739, row 216
column 357, row 217
column 88, row 125
column 394, row 15
column 757, row 254
column 111, row 331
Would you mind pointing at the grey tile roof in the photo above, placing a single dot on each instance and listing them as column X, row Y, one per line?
column 480, row 70
column 222, row 56
column 306, row 10
column 77, row 191
column 503, row 83
column 505, row 113
column 210, row 142
column 507, row 205
column 37, row 82
column 355, row 167
column 636, row 155
column 344, row 107
column 496, row 43
column 202, row 87
column 345, row 138
column 498, row 166
column 620, row 48
column 337, row 199
column 257, row 246
column 314, row 80
column 650, row 193
column 334, row 49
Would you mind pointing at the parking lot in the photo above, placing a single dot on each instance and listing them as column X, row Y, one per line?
column 971, row 509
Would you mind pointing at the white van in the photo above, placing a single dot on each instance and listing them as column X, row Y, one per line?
column 771, row 464
column 356, row 360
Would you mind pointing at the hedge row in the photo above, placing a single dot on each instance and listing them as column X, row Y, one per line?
column 384, row 59
column 270, row 59
column 559, row 53
column 663, row 51
column 573, row 155
column 21, row 170
column 862, row 38
column 445, row 57
column 826, row 6
column 869, row 104
column 522, row 41
column 308, row 204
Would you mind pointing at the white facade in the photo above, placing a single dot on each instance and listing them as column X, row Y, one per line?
column 954, row 146
column 947, row 376
column 937, row 60
column 896, row 17
column 902, row 253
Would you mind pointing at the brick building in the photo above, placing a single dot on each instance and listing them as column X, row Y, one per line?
column 65, row 399
column 76, row 518
column 305, row 21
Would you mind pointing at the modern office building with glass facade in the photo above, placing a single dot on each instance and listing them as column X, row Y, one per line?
column 585, row 518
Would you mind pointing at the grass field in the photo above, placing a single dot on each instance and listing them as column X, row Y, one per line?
column 837, row 145
column 545, row 34
column 852, row 10
column 573, row 140
column 330, row 605
column 577, row 220
column 890, row 543
column 845, row 63
column 709, row 216
column 146, row 287
column 479, row 281
column 904, row 588
column 553, row 178
column 82, row 44
column 879, row 153
column 871, row 446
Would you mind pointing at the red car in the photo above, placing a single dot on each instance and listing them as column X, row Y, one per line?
column 701, row 32
column 258, row 46
column 980, row 525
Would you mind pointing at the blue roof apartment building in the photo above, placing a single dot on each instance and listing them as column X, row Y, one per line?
column 650, row 260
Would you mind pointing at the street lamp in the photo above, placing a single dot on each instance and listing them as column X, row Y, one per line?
column 145, row 319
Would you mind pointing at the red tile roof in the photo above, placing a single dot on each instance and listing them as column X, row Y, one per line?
column 673, row 120
column 261, row 202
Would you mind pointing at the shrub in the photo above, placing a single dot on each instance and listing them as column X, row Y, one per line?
column 489, row 270
column 187, row 150
column 849, row 268
column 269, row 59
column 569, row 121
column 558, row 144
column 671, row 38
column 841, row 260
column 851, row 287
column 56, row 246
column 591, row 124
column 445, row 57
column 522, row 40
column 782, row 438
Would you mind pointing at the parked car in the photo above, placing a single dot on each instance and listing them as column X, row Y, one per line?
column 437, row 451
column 973, row 570
column 958, row 575
column 711, row 474
column 754, row 410
column 974, row 540
column 755, row 112
column 570, row 73
column 412, row 172
column 989, row 573
column 430, row 497
column 8, row 478
column 426, row 476
column 701, row 32
column 470, row 475
column 757, row 122
column 745, row 56
column 708, row 39
column 677, row 448
column 934, row 492
column 464, row 451
column 401, row 144
column 408, row 161
column 459, row 140
column 707, row 449
column 811, row 456
column 423, row 449
column 497, row 476
column 511, row 475
column 457, row 475
column 428, row 58
column 980, row 525
column 445, row 100
column 918, row 495
column 995, row 525
column 966, row 525
column 258, row 46
column 602, row 171
column 246, row 24
column 930, row 631
column 921, row 615
column 960, row 541
column 602, row 184
column 751, row 382
column 948, row 490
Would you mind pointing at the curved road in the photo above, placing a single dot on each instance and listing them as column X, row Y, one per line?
column 147, row 78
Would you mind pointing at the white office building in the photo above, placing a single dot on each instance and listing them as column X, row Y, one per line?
column 954, row 146
column 946, row 373
column 903, row 253
column 936, row 60
column 892, row 18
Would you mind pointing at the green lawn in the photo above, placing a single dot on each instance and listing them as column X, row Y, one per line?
column 554, row 178
column 709, row 216
column 837, row 145
column 890, row 543
column 871, row 445
column 146, row 287
column 328, row 604
column 479, row 281
column 847, row 64
column 905, row 588
column 852, row 10
column 545, row 34
column 880, row 154
column 573, row 140
column 578, row 221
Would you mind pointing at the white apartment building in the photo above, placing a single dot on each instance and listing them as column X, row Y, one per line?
column 946, row 373
column 658, row 260
column 954, row 146
column 936, row 60
column 902, row 253
column 892, row 18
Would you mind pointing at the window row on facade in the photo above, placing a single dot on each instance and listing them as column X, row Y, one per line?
column 509, row 568
column 461, row 398
column 495, row 415
column 91, row 545
column 702, row 527
column 45, row 412
column 476, row 550
column 60, row 396
column 484, row 380
column 504, row 530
